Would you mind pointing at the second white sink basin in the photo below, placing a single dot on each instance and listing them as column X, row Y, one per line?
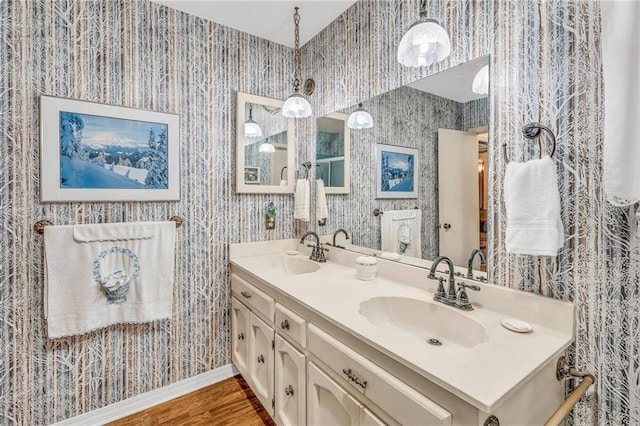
column 424, row 319
column 297, row 266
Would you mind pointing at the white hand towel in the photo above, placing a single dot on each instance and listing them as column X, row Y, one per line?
column 532, row 202
column 302, row 200
column 322, row 211
column 620, row 39
column 401, row 232
column 98, row 275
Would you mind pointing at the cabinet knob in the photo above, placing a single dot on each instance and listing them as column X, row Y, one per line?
column 261, row 358
column 245, row 294
column 241, row 336
column 447, row 226
column 288, row 390
column 284, row 324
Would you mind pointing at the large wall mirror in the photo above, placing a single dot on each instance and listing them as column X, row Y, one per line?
column 333, row 152
column 444, row 118
column 264, row 146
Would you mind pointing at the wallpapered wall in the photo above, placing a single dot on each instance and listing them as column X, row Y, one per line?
column 136, row 54
column 545, row 66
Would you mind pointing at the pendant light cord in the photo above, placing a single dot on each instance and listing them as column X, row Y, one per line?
column 296, row 52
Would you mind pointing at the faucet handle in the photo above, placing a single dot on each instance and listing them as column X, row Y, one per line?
column 469, row 286
column 440, row 291
column 432, row 276
column 462, row 299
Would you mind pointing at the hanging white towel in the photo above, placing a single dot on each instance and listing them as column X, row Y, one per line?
column 401, row 232
column 620, row 40
column 322, row 211
column 532, row 202
column 98, row 275
column 302, row 201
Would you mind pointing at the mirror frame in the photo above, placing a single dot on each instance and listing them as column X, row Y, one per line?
column 241, row 187
column 346, row 189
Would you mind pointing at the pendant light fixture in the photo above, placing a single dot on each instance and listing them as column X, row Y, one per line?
column 267, row 147
column 251, row 128
column 360, row 119
column 425, row 43
column 296, row 106
column 480, row 83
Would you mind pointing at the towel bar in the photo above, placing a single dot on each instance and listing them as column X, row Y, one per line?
column 532, row 131
column 562, row 371
column 38, row 227
column 378, row 212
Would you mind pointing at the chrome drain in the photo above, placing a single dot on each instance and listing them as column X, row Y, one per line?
column 434, row 342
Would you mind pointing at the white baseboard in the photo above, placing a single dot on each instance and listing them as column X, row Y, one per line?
column 149, row 399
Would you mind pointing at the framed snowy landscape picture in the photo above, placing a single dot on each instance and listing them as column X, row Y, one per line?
column 396, row 171
column 97, row 152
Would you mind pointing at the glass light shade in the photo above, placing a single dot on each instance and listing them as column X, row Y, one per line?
column 296, row 106
column 267, row 148
column 425, row 43
column 252, row 129
column 360, row 119
column 480, row 83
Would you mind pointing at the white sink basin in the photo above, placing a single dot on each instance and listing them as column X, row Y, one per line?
column 297, row 266
column 424, row 319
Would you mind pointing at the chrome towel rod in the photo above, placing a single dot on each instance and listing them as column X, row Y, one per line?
column 38, row 227
column 564, row 371
column 532, row 131
column 378, row 212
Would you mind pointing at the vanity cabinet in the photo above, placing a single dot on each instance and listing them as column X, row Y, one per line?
column 272, row 365
column 290, row 389
column 261, row 369
column 239, row 335
column 401, row 402
column 328, row 403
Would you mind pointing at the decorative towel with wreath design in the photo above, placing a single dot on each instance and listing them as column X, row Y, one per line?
column 116, row 282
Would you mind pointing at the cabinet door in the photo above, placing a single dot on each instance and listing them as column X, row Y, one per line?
column 367, row 418
column 239, row 335
column 328, row 403
column 261, row 361
column 290, row 388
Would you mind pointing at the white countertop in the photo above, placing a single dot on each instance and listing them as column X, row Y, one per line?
column 484, row 375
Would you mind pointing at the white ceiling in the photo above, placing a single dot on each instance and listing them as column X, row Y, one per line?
column 268, row 19
column 454, row 83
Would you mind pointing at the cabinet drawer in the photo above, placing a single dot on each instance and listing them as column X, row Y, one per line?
column 291, row 324
column 401, row 402
column 253, row 297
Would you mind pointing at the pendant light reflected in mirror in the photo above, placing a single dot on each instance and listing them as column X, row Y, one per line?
column 360, row 119
column 296, row 105
column 424, row 43
column 267, row 147
column 480, row 83
column 251, row 128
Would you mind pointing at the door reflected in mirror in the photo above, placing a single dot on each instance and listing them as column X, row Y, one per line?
column 333, row 150
column 264, row 143
column 452, row 191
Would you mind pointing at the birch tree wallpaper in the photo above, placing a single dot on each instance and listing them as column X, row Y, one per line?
column 545, row 67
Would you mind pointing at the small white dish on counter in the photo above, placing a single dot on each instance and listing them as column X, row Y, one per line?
column 516, row 325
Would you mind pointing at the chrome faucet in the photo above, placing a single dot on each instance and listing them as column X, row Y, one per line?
column 458, row 299
column 335, row 234
column 317, row 254
column 472, row 255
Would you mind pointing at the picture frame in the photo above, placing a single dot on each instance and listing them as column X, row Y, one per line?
column 97, row 152
column 252, row 175
column 396, row 175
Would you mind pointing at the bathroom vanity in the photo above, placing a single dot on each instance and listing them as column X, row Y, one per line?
column 319, row 347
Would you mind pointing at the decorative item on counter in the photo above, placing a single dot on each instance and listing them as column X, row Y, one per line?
column 366, row 268
column 271, row 216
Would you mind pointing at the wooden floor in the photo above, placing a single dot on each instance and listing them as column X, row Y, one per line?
column 230, row 402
